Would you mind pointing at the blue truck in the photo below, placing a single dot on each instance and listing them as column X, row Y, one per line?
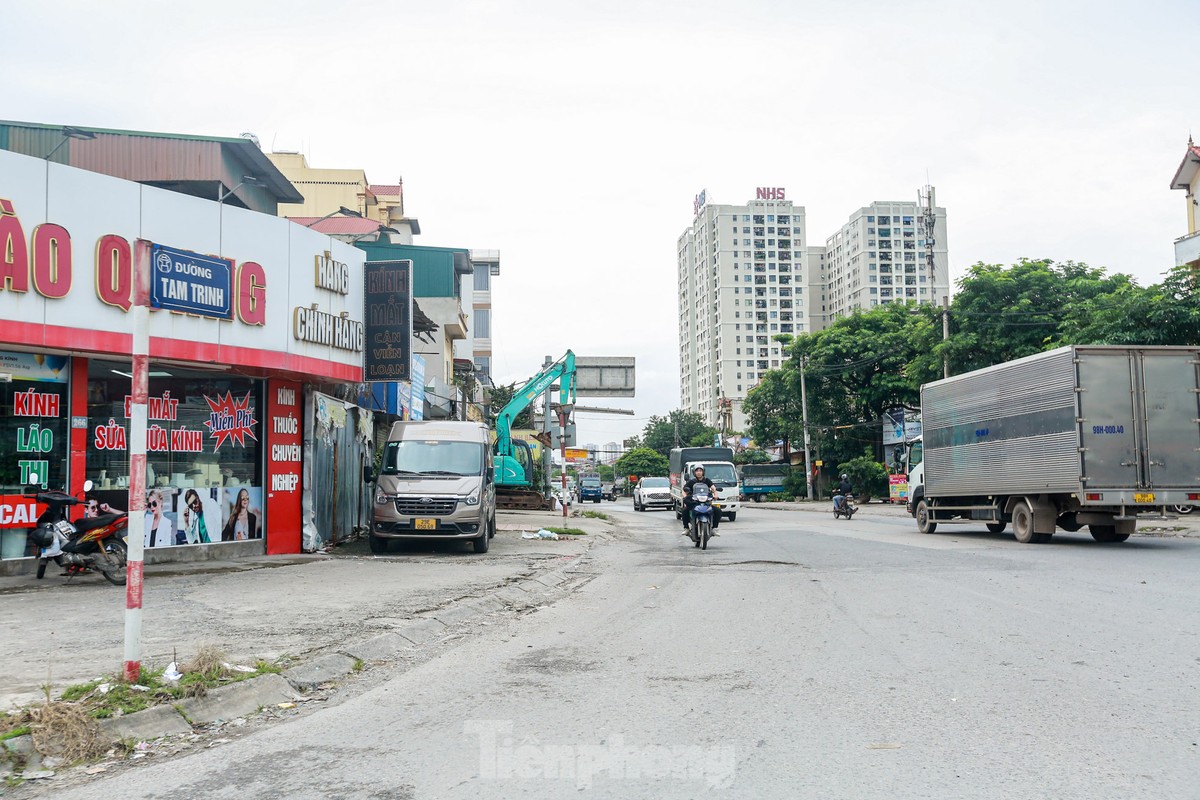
column 590, row 489
column 760, row 480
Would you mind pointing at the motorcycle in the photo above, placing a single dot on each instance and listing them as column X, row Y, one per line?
column 92, row 543
column 703, row 508
column 845, row 509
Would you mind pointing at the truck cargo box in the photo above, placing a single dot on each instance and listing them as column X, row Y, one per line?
column 1114, row 424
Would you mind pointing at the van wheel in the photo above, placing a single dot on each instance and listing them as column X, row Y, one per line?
column 481, row 542
column 377, row 544
column 492, row 527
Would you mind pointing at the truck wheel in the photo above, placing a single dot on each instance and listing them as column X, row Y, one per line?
column 997, row 527
column 731, row 517
column 758, row 498
column 924, row 523
column 1022, row 520
column 1107, row 533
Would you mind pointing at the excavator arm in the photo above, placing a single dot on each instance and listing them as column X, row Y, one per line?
column 562, row 371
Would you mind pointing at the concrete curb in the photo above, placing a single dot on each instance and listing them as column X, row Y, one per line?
column 238, row 699
column 423, row 630
column 322, row 670
column 384, row 647
column 149, row 724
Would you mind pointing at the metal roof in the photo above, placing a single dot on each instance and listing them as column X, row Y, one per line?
column 247, row 150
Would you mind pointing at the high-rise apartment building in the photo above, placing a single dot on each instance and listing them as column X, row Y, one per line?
column 746, row 275
column 742, row 278
column 886, row 252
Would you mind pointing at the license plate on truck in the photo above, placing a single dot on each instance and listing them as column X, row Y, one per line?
column 1143, row 497
column 425, row 524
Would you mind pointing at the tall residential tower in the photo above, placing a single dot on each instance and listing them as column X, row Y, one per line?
column 742, row 276
column 746, row 275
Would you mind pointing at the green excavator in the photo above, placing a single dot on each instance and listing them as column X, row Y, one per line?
column 513, row 457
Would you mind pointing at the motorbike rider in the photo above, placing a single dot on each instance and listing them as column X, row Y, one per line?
column 698, row 477
column 842, row 491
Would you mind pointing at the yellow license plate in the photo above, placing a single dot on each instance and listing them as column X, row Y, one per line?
column 1143, row 497
column 425, row 524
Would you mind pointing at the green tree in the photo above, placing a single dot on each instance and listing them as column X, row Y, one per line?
column 1003, row 313
column 773, row 409
column 660, row 432
column 499, row 397
column 643, row 461
column 869, row 477
column 752, row 455
column 1166, row 313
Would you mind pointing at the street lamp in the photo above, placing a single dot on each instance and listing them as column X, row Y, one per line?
column 341, row 210
column 250, row 179
column 69, row 133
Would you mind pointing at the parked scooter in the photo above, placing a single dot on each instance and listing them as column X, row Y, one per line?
column 703, row 508
column 93, row 543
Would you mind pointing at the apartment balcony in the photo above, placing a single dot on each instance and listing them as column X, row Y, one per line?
column 1187, row 250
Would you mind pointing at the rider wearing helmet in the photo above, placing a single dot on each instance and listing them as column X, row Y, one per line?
column 843, row 490
column 697, row 477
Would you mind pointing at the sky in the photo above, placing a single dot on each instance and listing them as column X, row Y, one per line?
column 573, row 136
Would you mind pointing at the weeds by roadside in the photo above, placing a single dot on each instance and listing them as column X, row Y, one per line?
column 567, row 531
column 591, row 514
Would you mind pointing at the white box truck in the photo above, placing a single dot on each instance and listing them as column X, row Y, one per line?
column 1080, row 435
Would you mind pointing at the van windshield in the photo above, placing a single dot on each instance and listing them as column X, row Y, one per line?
column 420, row 457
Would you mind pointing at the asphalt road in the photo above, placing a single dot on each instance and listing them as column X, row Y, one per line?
column 797, row 657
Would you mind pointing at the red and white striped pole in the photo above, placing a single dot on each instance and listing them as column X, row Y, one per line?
column 137, row 460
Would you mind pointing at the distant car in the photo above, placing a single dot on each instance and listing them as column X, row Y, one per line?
column 652, row 493
column 609, row 491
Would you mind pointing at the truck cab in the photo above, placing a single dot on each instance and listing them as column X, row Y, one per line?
column 914, row 467
column 590, row 489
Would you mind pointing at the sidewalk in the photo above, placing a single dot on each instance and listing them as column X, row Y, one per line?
column 268, row 607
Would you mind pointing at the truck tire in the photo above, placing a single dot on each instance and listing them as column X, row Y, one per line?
column 1068, row 522
column 1107, row 533
column 924, row 522
column 731, row 517
column 997, row 527
column 1022, row 521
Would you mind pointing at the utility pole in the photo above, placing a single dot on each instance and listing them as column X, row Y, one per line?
column 140, row 379
column 808, row 476
column 945, row 336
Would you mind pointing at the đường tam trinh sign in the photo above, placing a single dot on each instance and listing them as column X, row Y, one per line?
column 388, row 320
column 191, row 283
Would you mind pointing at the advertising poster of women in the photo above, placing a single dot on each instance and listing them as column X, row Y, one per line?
column 242, row 511
column 160, row 519
column 198, row 513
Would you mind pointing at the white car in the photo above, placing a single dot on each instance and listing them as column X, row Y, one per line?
column 652, row 493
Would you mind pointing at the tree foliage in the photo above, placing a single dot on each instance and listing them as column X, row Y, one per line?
column 863, row 364
column 499, row 396
column 660, row 432
column 751, row 455
column 643, row 461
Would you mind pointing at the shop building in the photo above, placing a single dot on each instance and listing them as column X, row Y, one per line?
column 256, row 337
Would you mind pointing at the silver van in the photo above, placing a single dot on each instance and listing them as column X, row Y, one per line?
column 435, row 482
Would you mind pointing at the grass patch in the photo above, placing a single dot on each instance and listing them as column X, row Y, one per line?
column 592, row 514
column 101, row 699
column 568, row 531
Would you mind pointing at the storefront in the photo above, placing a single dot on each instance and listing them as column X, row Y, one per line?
column 262, row 310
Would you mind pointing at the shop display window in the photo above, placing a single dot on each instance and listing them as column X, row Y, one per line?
column 204, row 465
column 34, row 417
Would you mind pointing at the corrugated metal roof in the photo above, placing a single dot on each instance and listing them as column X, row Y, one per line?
column 115, row 152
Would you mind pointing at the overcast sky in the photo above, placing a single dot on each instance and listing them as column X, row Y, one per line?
column 573, row 136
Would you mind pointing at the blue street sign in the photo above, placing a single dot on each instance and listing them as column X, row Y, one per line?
column 191, row 283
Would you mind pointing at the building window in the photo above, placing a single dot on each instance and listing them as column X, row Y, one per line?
column 483, row 278
column 483, row 324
